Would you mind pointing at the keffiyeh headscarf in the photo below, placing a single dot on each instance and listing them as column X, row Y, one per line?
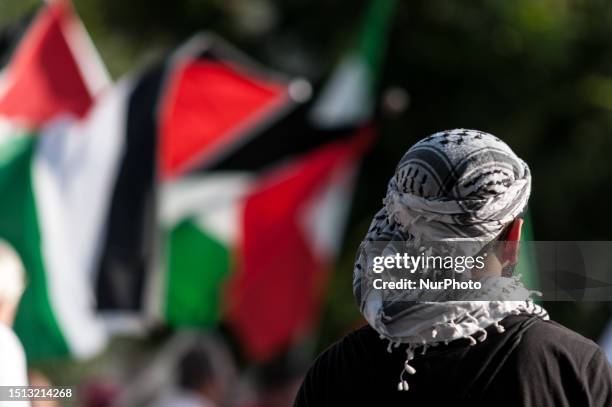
column 454, row 186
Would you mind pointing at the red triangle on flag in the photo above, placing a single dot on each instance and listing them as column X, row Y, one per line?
column 275, row 295
column 44, row 77
column 209, row 106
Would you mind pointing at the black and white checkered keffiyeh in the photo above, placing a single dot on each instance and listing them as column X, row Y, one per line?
column 453, row 186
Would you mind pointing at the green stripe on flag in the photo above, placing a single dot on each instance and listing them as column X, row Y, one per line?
column 35, row 324
column 197, row 267
column 374, row 35
column 349, row 97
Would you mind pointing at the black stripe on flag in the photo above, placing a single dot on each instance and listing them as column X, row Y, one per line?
column 128, row 248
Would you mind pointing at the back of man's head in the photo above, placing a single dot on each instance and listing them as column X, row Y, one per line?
column 459, row 189
column 458, row 184
column 12, row 282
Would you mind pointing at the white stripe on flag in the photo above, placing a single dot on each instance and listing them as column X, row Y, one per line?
column 74, row 172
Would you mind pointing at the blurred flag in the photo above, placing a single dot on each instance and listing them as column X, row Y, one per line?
column 349, row 96
column 276, row 295
column 201, row 126
column 203, row 189
column 250, row 198
column 198, row 105
column 53, row 70
column 276, row 229
column 248, row 190
column 291, row 224
column 269, row 216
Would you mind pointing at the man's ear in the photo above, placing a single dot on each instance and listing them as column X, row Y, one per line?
column 511, row 246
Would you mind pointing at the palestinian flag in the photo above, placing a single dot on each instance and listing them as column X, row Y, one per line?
column 230, row 197
column 292, row 223
column 252, row 235
column 251, row 244
column 211, row 145
column 198, row 105
column 251, row 227
column 348, row 99
column 52, row 71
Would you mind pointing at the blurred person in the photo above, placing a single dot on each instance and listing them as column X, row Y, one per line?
column 196, row 385
column 13, row 370
column 456, row 186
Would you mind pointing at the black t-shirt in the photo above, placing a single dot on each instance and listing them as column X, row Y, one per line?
column 534, row 363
